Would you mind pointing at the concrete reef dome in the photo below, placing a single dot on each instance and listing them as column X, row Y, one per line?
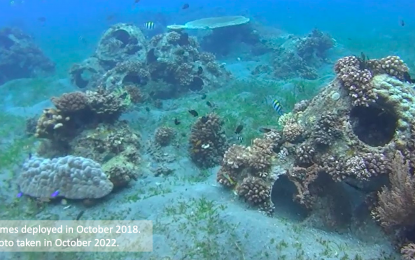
column 212, row 23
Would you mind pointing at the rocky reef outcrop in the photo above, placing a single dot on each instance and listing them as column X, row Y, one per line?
column 20, row 57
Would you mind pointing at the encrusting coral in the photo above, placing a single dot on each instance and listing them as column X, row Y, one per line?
column 207, row 142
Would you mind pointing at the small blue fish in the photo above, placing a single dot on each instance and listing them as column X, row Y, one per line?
column 20, row 194
column 277, row 106
column 56, row 193
column 149, row 25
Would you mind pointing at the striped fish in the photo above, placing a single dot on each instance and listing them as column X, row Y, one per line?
column 149, row 25
column 277, row 106
column 240, row 138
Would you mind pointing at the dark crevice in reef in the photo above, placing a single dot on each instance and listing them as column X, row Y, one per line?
column 373, row 125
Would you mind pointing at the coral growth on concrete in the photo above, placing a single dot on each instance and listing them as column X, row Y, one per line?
column 121, row 42
column 356, row 75
column 248, row 171
column 73, row 177
column 86, row 124
column 298, row 57
column 207, row 142
column 76, row 111
column 344, row 137
column 20, row 57
column 168, row 65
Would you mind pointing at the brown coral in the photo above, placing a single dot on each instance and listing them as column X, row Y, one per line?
column 292, row 131
column 355, row 74
column 356, row 80
column 163, row 135
column 248, row 169
column 391, row 65
column 325, row 131
column 106, row 105
column 207, row 142
column 52, row 124
column 254, row 190
column 71, row 102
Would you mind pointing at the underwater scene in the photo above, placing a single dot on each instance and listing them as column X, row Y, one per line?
column 231, row 130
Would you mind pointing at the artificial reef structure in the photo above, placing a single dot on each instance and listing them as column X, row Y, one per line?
column 104, row 150
column 297, row 56
column 163, row 67
column 20, row 57
column 356, row 134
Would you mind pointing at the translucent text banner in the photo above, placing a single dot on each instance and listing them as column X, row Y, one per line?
column 76, row 236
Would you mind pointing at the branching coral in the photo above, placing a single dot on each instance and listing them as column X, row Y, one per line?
column 325, row 131
column 71, row 102
column 292, row 131
column 207, row 142
column 107, row 106
column 356, row 74
column 254, row 190
column 164, row 135
column 248, row 170
column 54, row 125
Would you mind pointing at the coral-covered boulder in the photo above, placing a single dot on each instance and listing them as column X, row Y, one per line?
column 20, row 57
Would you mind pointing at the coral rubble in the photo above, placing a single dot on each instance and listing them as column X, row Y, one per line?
column 20, row 57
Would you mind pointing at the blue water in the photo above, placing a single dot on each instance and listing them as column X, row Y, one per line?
column 194, row 216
